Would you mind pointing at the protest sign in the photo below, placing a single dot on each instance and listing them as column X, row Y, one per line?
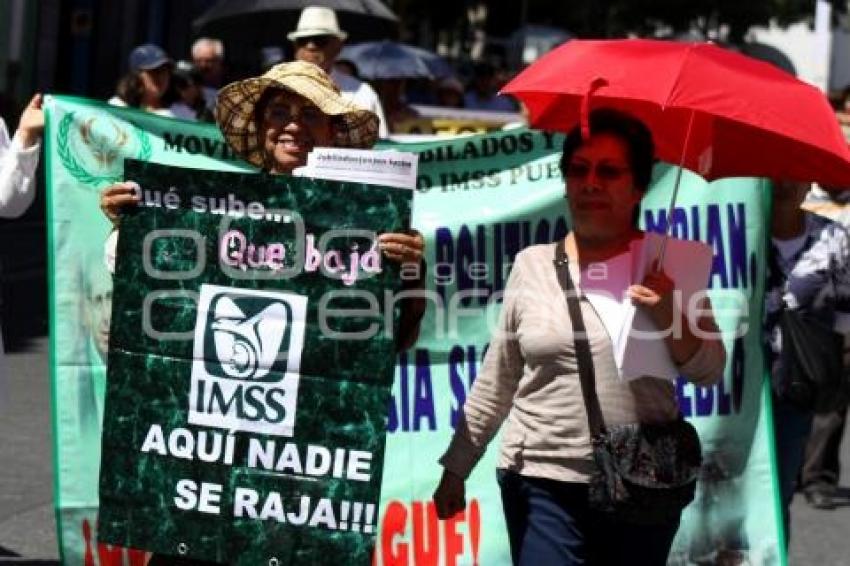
column 389, row 168
column 251, row 354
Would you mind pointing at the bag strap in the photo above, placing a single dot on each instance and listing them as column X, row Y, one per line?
column 584, row 358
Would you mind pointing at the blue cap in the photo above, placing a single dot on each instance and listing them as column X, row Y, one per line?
column 148, row 56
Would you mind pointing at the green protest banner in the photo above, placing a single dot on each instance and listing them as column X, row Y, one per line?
column 251, row 354
column 86, row 142
column 480, row 199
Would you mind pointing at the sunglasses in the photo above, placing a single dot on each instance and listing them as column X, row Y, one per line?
column 282, row 114
column 320, row 41
column 579, row 171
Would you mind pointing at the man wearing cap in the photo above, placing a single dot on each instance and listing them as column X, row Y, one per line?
column 318, row 40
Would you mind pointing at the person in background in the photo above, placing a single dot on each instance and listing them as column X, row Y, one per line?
column 18, row 162
column 483, row 92
column 346, row 67
column 208, row 58
column 822, row 462
column 146, row 85
column 808, row 271
column 397, row 110
column 190, row 103
column 19, row 159
column 450, row 93
column 270, row 56
column 318, row 40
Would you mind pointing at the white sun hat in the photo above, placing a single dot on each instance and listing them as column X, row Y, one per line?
column 317, row 20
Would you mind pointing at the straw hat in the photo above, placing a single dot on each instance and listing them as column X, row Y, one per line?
column 317, row 20
column 234, row 110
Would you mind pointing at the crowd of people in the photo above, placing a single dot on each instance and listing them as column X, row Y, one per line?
column 529, row 376
column 187, row 89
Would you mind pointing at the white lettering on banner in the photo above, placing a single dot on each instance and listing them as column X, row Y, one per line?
column 229, row 205
column 206, row 501
column 352, row 516
column 205, row 445
column 308, row 462
column 317, row 461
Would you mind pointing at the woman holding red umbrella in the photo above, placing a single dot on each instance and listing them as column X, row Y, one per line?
column 531, row 374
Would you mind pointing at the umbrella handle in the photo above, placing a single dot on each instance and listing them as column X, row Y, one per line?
column 663, row 248
column 584, row 116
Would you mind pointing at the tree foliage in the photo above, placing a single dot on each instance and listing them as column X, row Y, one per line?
column 717, row 19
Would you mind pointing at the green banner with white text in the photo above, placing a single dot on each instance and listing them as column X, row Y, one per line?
column 479, row 201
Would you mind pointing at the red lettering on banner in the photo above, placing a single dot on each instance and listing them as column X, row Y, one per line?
column 454, row 541
column 474, row 529
column 89, row 556
column 108, row 555
column 394, row 525
column 426, row 540
column 411, row 535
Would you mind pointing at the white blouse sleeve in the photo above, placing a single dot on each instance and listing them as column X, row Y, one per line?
column 17, row 174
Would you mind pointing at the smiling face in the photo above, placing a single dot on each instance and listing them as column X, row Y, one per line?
column 601, row 188
column 290, row 127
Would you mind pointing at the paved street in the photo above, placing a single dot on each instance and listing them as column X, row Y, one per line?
column 27, row 534
column 822, row 538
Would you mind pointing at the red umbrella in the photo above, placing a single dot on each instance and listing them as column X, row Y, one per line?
column 714, row 111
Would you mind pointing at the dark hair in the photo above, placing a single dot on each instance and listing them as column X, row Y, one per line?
column 632, row 131
column 185, row 74
column 130, row 89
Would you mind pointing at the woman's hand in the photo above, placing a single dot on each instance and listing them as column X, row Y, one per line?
column 407, row 249
column 401, row 247
column 655, row 295
column 31, row 124
column 117, row 196
column 450, row 495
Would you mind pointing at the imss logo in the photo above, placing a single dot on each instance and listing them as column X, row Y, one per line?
column 247, row 355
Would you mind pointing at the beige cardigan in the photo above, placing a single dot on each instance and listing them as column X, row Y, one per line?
column 530, row 377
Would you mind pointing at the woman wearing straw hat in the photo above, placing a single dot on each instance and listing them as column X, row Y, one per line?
column 273, row 121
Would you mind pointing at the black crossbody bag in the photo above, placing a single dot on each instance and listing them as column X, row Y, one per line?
column 645, row 473
column 809, row 371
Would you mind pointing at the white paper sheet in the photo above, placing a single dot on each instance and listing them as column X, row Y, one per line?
column 639, row 351
column 378, row 167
